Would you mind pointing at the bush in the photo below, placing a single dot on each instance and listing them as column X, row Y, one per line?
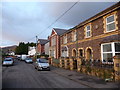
column 43, row 55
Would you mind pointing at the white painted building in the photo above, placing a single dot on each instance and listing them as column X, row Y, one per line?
column 11, row 53
column 31, row 50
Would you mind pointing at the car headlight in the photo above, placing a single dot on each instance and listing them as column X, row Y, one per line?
column 39, row 65
column 4, row 63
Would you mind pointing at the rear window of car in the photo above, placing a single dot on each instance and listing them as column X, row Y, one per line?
column 28, row 58
column 8, row 60
column 43, row 61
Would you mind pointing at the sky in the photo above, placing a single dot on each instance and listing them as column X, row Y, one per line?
column 22, row 21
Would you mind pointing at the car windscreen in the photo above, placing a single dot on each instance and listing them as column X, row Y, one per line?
column 28, row 59
column 8, row 60
column 43, row 61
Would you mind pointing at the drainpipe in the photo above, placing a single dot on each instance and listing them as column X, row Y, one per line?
column 77, row 42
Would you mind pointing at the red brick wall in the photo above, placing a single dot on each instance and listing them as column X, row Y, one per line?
column 94, row 44
column 40, row 48
column 118, row 19
column 57, row 46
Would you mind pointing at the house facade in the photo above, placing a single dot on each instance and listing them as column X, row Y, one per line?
column 54, row 45
column 10, row 50
column 47, row 48
column 41, row 46
column 97, row 38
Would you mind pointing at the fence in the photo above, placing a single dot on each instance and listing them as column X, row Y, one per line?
column 97, row 63
column 55, row 62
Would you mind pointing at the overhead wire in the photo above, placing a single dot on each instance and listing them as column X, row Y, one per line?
column 54, row 21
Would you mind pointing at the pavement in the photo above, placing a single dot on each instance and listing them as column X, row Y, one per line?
column 90, row 81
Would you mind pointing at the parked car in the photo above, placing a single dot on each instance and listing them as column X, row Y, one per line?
column 8, row 61
column 28, row 60
column 19, row 58
column 42, row 64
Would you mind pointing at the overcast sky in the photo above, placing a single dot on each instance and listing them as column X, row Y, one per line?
column 22, row 21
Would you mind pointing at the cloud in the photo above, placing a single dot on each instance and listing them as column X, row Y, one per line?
column 24, row 20
column 82, row 11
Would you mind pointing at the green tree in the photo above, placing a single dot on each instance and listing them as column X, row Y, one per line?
column 22, row 48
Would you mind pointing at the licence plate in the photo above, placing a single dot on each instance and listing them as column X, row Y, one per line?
column 44, row 67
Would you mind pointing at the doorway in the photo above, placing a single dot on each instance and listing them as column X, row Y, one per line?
column 89, row 54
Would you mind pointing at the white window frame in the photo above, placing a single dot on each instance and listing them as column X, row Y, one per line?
column 113, row 49
column 110, row 23
column 88, row 31
column 65, row 53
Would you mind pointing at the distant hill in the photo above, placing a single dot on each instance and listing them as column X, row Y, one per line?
column 9, row 49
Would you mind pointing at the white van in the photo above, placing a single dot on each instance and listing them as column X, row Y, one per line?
column 23, row 57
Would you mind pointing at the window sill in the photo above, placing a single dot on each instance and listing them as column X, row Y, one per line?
column 109, row 31
column 88, row 37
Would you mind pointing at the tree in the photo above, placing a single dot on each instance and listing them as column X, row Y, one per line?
column 23, row 48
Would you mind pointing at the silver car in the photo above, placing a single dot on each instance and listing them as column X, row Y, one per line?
column 8, row 61
column 28, row 60
column 42, row 64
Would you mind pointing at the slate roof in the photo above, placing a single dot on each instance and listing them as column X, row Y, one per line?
column 60, row 31
column 43, row 41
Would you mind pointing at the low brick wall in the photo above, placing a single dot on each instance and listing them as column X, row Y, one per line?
column 56, row 65
column 99, row 72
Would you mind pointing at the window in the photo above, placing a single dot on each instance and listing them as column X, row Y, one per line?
column 74, row 36
column 64, row 52
column 109, row 50
column 81, row 52
column 110, row 23
column 117, row 48
column 53, row 41
column 88, row 31
column 52, row 53
column 65, row 39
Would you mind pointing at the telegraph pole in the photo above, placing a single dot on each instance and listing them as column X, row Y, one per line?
column 36, row 46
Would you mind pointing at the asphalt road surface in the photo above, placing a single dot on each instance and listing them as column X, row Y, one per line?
column 23, row 75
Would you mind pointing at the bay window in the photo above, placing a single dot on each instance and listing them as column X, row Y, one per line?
column 65, row 39
column 64, row 51
column 108, row 50
column 53, row 41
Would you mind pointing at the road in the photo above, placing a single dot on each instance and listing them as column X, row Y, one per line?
column 23, row 75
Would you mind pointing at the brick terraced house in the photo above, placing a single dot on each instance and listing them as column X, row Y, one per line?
column 54, row 49
column 97, row 38
column 41, row 46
